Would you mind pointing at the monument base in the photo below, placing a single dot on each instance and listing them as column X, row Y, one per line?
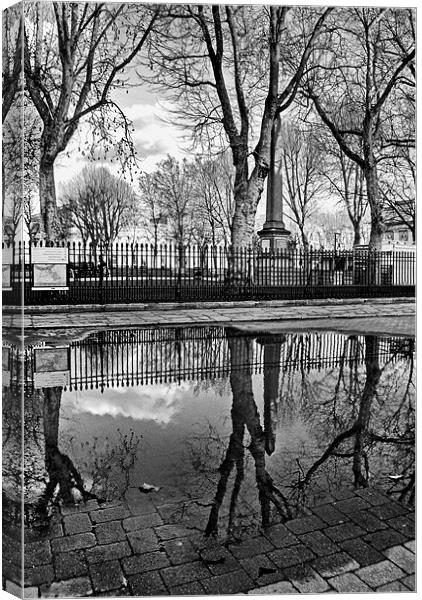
column 274, row 236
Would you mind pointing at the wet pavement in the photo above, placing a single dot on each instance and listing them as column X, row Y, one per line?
column 212, row 460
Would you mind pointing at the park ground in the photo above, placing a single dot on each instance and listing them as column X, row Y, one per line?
column 353, row 541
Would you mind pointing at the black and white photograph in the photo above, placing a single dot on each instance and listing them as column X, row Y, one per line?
column 208, row 307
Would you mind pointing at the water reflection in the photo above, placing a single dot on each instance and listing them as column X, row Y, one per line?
column 258, row 426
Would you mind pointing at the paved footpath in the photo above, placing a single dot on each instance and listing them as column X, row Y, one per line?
column 354, row 541
column 346, row 313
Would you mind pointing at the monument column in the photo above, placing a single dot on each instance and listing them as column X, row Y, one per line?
column 274, row 234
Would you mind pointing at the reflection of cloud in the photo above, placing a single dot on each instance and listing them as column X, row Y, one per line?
column 159, row 403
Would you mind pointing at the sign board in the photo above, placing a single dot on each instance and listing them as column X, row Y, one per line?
column 50, row 255
column 7, row 260
column 50, row 277
column 7, row 256
column 48, row 380
column 6, row 283
column 50, row 271
column 48, row 360
column 51, row 367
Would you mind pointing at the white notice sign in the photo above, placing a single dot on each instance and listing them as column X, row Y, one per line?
column 6, row 284
column 7, row 256
column 48, row 380
column 50, row 255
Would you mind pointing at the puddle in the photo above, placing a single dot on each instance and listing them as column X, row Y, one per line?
column 221, row 433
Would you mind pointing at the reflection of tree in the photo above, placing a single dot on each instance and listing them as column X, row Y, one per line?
column 392, row 425
column 63, row 477
column 245, row 417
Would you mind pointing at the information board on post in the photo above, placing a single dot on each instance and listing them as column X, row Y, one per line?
column 51, row 367
column 50, row 268
column 7, row 262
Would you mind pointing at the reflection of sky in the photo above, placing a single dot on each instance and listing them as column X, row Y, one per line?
column 157, row 403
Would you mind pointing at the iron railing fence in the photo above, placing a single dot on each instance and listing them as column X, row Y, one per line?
column 121, row 273
column 132, row 357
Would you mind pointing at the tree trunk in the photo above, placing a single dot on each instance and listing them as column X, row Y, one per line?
column 377, row 218
column 48, row 205
column 357, row 236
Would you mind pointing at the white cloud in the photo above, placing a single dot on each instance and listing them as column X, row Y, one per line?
column 159, row 403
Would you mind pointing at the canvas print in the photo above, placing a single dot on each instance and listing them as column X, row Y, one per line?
column 208, row 258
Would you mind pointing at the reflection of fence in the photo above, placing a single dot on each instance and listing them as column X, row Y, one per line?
column 144, row 273
column 147, row 356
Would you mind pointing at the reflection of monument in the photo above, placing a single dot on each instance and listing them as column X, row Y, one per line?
column 272, row 356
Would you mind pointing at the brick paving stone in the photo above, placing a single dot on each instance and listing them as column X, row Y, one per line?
column 374, row 497
column 306, row 580
column 142, row 522
column 31, row 592
column 170, row 513
column 78, row 523
column 108, row 552
column 193, row 588
column 80, row 586
column 368, row 521
column 54, row 530
column 140, row 563
column 343, row 494
column 329, row 514
column 229, row 583
column 282, row 587
column 168, row 532
column 291, row 556
column 261, row 569
column 280, row 536
column 402, row 557
column 380, row 573
column 388, row 511
column 345, row 531
column 409, row 582
column 144, row 540
column 37, row 554
column 71, row 509
column 38, row 575
column 184, row 573
column 107, row 576
column 411, row 545
column 352, row 505
column 334, row 564
column 251, row 547
column 404, row 525
column 147, row 584
column 141, row 506
column 361, row 551
column 219, row 560
column 73, row 542
column 385, row 538
column 305, row 524
column 113, row 513
column 68, row 565
column 394, row 586
column 319, row 543
column 180, row 550
column 107, row 533
column 348, row 583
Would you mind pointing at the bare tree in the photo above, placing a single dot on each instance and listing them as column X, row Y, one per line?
column 75, row 55
column 97, row 204
column 300, row 170
column 347, row 182
column 368, row 76
column 222, row 66
column 153, row 209
column 11, row 56
column 214, row 199
column 398, row 189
